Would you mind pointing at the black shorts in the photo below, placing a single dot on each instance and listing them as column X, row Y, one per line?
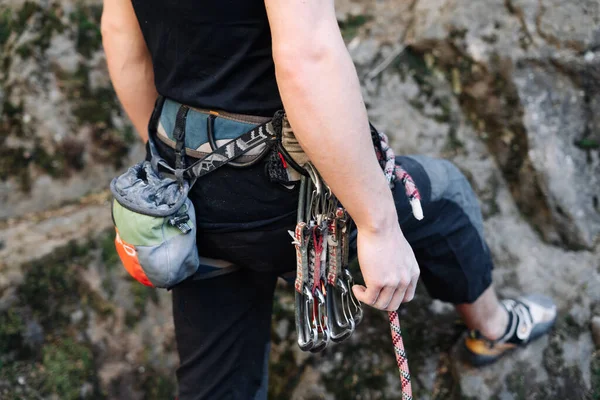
column 223, row 324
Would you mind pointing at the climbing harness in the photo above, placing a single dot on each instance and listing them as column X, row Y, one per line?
column 153, row 216
column 156, row 230
column 326, row 308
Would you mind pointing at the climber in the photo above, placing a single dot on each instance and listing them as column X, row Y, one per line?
column 235, row 63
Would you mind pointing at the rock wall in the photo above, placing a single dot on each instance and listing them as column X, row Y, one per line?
column 63, row 132
column 506, row 89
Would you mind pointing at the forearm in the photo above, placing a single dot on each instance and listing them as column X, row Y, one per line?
column 324, row 104
column 130, row 69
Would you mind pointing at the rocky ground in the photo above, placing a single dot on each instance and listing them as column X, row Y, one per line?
column 506, row 89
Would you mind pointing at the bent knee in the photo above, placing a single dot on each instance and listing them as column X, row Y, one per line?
column 447, row 181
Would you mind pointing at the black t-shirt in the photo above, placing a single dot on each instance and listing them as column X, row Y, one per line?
column 211, row 54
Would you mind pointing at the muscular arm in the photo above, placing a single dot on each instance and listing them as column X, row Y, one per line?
column 129, row 62
column 321, row 94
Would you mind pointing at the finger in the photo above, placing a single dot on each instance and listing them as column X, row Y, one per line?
column 396, row 301
column 365, row 295
column 412, row 287
column 385, row 297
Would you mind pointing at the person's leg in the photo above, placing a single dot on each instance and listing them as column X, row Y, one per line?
column 222, row 328
column 222, row 324
column 486, row 314
column 456, row 263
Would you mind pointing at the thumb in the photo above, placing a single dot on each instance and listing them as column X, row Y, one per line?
column 362, row 294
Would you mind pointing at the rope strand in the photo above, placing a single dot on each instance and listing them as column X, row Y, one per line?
column 401, row 359
column 395, row 173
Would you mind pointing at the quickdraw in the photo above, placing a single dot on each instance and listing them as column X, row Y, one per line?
column 326, row 308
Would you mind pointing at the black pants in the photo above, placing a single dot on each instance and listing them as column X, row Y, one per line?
column 223, row 324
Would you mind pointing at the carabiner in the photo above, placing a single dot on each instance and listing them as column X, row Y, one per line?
column 307, row 333
column 320, row 322
column 355, row 305
column 339, row 320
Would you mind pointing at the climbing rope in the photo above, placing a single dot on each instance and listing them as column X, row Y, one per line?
column 401, row 359
column 393, row 173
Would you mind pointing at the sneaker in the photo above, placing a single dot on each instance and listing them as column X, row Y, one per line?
column 529, row 318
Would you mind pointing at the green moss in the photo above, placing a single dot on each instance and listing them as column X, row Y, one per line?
column 11, row 117
column 23, row 15
column 588, row 144
column 97, row 108
column 5, row 25
column 15, row 21
column 54, row 165
column 284, row 370
column 48, row 285
column 62, row 363
column 21, row 380
column 68, row 366
column 11, row 328
column 15, row 161
column 53, row 287
column 110, row 259
column 284, row 373
column 350, row 26
column 129, row 135
column 46, row 19
column 157, row 386
column 24, row 51
column 453, row 144
column 141, row 296
column 109, row 255
column 87, row 21
column 60, row 371
column 13, row 164
column 412, row 64
column 50, row 23
column 91, row 107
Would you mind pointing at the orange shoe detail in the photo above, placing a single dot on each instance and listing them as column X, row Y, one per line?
column 482, row 347
column 129, row 258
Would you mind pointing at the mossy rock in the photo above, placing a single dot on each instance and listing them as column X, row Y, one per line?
column 97, row 107
column 156, row 386
column 351, row 25
column 11, row 330
column 68, row 366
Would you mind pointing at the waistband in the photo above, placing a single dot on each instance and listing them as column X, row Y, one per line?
column 225, row 126
column 249, row 119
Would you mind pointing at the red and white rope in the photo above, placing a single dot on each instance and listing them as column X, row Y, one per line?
column 395, row 173
column 401, row 359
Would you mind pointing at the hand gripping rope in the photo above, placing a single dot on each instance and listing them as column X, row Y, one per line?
column 326, row 308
